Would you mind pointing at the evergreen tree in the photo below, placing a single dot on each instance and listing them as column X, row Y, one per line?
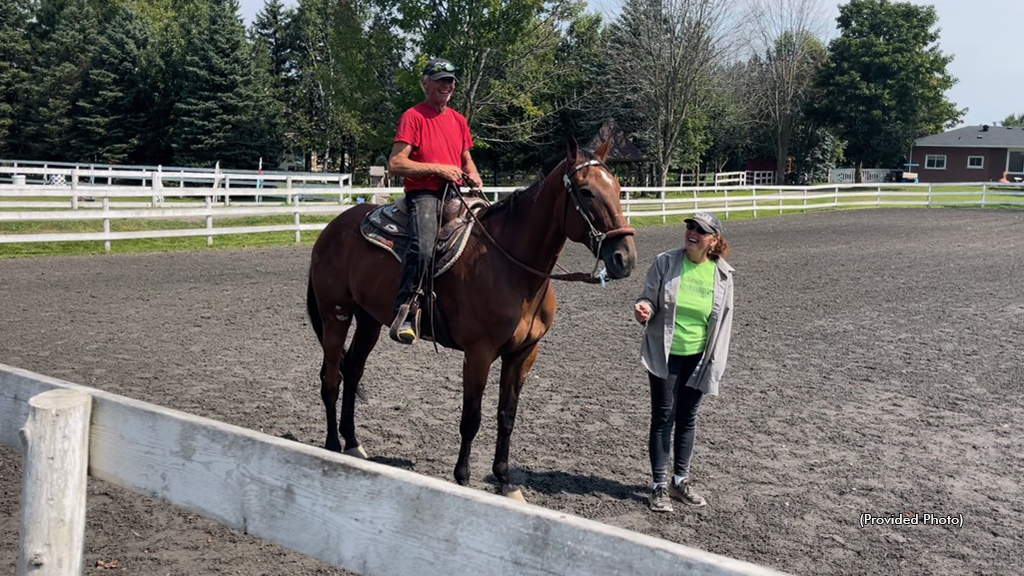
column 111, row 112
column 65, row 38
column 223, row 113
column 15, row 63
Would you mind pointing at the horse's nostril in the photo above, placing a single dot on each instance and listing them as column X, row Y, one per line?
column 620, row 261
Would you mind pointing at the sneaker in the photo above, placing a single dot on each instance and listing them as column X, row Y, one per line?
column 405, row 333
column 659, row 500
column 685, row 494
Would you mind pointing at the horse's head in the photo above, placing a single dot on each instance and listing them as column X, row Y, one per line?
column 594, row 197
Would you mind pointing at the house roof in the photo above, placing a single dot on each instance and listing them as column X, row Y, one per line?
column 983, row 136
column 622, row 149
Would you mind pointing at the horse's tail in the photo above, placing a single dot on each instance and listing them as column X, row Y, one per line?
column 314, row 310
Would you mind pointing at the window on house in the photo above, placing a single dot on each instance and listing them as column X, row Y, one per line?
column 935, row 161
column 975, row 161
column 1016, row 161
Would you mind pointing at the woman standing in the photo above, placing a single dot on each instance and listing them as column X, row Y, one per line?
column 686, row 305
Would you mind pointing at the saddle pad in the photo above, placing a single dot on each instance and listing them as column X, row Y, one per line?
column 386, row 227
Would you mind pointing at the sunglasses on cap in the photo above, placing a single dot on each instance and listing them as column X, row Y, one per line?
column 694, row 226
column 439, row 67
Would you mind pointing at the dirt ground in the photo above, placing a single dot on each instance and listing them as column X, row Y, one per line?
column 876, row 368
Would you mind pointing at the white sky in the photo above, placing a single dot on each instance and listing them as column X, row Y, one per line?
column 982, row 35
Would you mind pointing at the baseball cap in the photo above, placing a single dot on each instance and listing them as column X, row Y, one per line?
column 438, row 68
column 707, row 222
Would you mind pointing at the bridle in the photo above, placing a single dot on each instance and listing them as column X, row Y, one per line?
column 594, row 234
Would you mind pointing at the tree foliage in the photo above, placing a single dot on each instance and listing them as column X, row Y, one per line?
column 663, row 57
column 886, row 80
column 15, row 66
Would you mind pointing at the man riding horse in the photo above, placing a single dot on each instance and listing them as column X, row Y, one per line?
column 431, row 152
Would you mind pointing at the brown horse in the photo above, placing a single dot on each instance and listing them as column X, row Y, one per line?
column 497, row 298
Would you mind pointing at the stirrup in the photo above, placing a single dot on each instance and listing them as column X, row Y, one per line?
column 402, row 329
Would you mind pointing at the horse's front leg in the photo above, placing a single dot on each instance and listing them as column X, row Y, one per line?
column 514, row 368
column 475, row 366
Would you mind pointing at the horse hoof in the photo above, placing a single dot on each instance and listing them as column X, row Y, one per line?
column 356, row 452
column 516, row 494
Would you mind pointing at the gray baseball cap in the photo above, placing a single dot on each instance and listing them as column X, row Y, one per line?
column 438, row 68
column 707, row 222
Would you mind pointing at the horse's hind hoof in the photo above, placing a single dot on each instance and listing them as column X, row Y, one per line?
column 516, row 494
column 356, row 452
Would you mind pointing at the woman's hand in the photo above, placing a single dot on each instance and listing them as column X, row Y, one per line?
column 642, row 312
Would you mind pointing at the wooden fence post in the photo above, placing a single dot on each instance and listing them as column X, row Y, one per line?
column 209, row 220
column 56, row 440
column 106, row 222
column 298, row 232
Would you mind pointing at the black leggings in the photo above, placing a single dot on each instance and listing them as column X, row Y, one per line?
column 673, row 403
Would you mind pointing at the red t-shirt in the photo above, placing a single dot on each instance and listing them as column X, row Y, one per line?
column 436, row 137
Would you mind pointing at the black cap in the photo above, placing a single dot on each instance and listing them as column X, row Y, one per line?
column 438, row 68
column 707, row 222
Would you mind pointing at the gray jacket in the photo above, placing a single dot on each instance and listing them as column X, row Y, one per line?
column 660, row 289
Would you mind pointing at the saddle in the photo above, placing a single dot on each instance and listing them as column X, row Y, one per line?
column 387, row 225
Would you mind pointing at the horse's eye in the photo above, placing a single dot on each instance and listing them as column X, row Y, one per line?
column 586, row 193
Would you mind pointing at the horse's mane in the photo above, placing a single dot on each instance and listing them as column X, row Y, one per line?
column 545, row 171
column 505, row 203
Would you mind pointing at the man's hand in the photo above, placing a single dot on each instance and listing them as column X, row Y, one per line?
column 474, row 180
column 450, row 173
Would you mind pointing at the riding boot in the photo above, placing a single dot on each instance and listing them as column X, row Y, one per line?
column 402, row 329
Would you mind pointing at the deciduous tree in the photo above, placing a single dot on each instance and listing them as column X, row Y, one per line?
column 886, row 80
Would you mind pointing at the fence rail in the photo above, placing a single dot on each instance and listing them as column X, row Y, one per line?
column 218, row 197
column 362, row 516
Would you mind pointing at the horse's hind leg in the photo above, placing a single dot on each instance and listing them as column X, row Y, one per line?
column 333, row 341
column 514, row 368
column 365, row 338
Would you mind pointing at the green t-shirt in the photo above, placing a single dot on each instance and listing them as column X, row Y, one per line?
column 693, row 306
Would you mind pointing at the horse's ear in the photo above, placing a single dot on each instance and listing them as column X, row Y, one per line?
column 571, row 149
column 602, row 150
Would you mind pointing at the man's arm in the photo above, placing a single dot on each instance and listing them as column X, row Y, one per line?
column 469, row 167
column 401, row 165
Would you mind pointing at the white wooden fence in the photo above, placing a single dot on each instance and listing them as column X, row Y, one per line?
column 210, row 197
column 362, row 516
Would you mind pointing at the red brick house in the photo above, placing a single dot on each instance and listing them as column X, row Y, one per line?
column 970, row 154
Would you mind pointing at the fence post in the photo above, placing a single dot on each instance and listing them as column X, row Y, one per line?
column 629, row 209
column 726, row 203
column 780, row 200
column 664, row 208
column 209, row 220
column 288, row 187
column 74, row 188
column 929, row 194
column 154, row 185
column 984, row 187
column 56, row 440
column 805, row 200
column 227, row 190
column 298, row 233
column 878, row 196
column 753, row 192
column 106, row 222
column 836, row 201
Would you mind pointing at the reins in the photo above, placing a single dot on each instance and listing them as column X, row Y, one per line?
column 593, row 235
